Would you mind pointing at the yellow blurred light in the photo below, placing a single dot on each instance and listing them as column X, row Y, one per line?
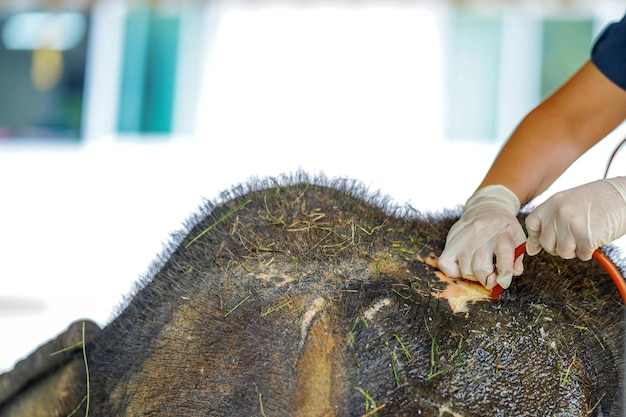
column 47, row 68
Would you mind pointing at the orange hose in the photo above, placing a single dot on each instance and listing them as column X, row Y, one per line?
column 598, row 255
column 614, row 273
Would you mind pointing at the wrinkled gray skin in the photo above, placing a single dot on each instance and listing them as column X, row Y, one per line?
column 309, row 297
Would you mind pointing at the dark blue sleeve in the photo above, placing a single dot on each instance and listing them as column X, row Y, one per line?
column 609, row 52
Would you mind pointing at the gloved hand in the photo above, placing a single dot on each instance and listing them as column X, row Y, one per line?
column 575, row 222
column 488, row 227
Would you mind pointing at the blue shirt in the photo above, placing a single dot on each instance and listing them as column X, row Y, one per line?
column 609, row 52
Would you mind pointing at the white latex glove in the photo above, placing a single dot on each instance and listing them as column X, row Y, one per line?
column 574, row 223
column 487, row 229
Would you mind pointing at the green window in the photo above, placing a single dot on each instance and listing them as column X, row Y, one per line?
column 148, row 72
column 472, row 74
column 566, row 45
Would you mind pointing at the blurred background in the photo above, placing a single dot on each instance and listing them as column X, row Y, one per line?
column 117, row 118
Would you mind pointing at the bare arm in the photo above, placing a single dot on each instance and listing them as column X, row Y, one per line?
column 562, row 128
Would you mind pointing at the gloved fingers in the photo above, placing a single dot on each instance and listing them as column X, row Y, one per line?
column 584, row 253
column 581, row 245
column 505, row 258
column 491, row 281
column 483, row 268
column 488, row 258
column 566, row 248
column 541, row 230
column 489, row 262
column 533, row 246
column 456, row 259
column 504, row 280
column 574, row 223
column 465, row 267
column 447, row 263
column 459, row 264
column 469, row 250
column 518, row 266
column 533, row 228
column 564, row 241
column 547, row 240
column 555, row 233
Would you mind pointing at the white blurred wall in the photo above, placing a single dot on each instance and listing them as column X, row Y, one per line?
column 348, row 91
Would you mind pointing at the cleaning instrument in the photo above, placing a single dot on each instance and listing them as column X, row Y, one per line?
column 598, row 255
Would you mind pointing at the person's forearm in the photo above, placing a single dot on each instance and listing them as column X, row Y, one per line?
column 537, row 153
column 557, row 132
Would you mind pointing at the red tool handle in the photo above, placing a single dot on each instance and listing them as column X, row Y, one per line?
column 497, row 290
column 598, row 255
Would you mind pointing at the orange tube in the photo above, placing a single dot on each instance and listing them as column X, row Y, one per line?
column 614, row 273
